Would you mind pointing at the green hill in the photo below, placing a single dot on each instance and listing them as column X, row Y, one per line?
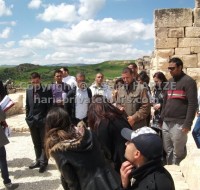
column 21, row 73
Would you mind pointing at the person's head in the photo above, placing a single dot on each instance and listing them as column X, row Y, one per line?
column 143, row 145
column 127, row 76
column 58, row 76
column 65, row 71
column 99, row 79
column 118, row 83
column 35, row 79
column 134, row 68
column 80, row 79
column 175, row 66
column 57, row 118
column 58, row 128
column 143, row 77
column 99, row 109
column 159, row 78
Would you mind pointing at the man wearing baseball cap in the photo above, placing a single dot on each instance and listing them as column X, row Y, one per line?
column 144, row 169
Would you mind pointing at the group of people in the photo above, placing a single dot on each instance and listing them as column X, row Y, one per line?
column 102, row 138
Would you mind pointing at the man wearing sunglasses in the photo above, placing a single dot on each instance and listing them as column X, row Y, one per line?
column 179, row 108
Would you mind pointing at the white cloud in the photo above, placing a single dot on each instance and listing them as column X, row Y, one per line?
column 5, row 10
column 5, row 33
column 11, row 23
column 88, row 8
column 62, row 12
column 92, row 41
column 9, row 44
column 34, row 4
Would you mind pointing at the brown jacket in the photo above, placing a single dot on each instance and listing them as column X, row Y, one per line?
column 135, row 101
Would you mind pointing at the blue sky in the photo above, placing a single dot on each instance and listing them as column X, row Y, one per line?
column 78, row 31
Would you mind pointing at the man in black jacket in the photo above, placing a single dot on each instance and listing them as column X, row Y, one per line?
column 143, row 169
column 38, row 102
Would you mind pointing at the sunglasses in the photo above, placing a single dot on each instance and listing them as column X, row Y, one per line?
column 171, row 68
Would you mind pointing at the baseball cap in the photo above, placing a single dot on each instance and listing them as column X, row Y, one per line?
column 146, row 141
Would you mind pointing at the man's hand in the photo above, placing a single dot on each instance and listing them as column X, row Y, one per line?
column 156, row 106
column 125, row 171
column 131, row 120
column 185, row 130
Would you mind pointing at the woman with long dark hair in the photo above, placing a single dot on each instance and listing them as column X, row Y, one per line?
column 158, row 94
column 107, row 121
column 77, row 154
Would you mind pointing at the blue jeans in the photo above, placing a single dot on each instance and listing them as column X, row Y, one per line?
column 196, row 132
column 4, row 166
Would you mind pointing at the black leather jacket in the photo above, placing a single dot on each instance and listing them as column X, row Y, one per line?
column 83, row 166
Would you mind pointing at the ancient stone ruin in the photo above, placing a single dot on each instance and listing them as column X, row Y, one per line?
column 177, row 34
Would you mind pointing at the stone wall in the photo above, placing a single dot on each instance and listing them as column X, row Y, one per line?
column 177, row 34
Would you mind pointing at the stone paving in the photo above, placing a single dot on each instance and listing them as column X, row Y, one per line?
column 20, row 155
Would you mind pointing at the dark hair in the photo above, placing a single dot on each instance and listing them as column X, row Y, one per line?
column 134, row 65
column 80, row 74
column 127, row 70
column 65, row 69
column 58, row 128
column 35, row 75
column 144, row 77
column 100, row 109
column 57, row 71
column 116, row 85
column 177, row 61
column 160, row 76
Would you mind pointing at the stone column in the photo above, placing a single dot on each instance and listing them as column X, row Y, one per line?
column 197, row 3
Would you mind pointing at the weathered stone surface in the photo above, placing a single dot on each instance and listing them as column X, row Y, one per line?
column 192, row 32
column 161, row 32
column 182, row 51
column 166, row 43
column 197, row 3
column 173, row 18
column 18, row 107
column 197, row 17
column 198, row 57
column 195, row 49
column 190, row 60
column 176, row 32
column 164, row 53
column 188, row 42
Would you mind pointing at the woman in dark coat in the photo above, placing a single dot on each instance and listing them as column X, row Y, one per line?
column 107, row 121
column 158, row 94
column 77, row 154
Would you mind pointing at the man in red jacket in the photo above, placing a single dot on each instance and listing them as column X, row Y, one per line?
column 179, row 108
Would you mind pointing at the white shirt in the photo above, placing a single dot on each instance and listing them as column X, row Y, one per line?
column 103, row 90
column 70, row 80
column 82, row 101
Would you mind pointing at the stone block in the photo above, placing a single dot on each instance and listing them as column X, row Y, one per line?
column 18, row 107
column 176, row 32
column 195, row 49
column 164, row 53
column 196, row 17
column 197, row 3
column 192, row 32
column 173, row 17
column 188, row 42
column 198, row 57
column 182, row 51
column 161, row 32
column 190, row 61
column 166, row 43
